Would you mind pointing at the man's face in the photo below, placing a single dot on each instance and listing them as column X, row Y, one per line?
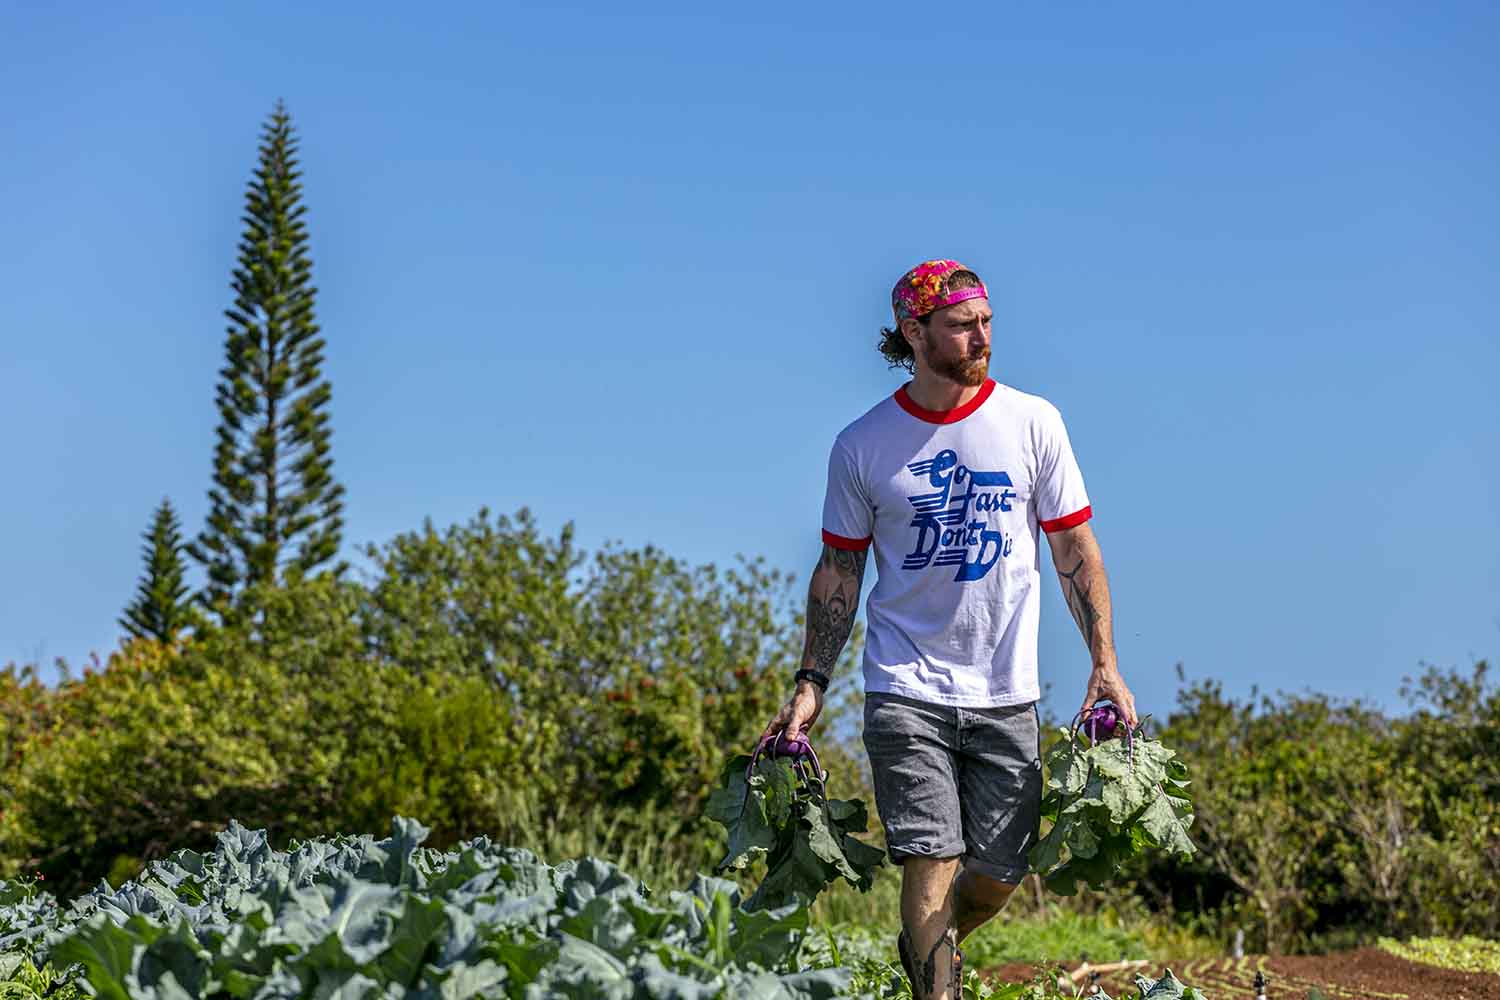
column 955, row 343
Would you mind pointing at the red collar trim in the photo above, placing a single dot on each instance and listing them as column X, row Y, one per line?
column 945, row 416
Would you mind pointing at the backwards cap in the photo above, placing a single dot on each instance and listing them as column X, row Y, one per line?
column 925, row 288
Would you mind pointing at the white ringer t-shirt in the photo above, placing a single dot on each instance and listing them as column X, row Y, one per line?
column 952, row 501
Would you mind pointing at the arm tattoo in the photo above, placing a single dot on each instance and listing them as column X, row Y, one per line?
column 1080, row 603
column 831, row 610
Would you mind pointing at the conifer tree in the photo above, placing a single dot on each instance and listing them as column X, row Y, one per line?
column 275, row 511
column 162, row 608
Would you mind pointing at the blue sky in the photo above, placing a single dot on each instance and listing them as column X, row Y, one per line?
column 626, row 267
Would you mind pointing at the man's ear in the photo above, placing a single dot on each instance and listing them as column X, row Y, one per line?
column 912, row 331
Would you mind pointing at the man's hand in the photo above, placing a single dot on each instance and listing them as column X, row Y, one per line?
column 798, row 714
column 1106, row 682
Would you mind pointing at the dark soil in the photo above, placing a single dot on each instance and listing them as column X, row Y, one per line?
column 1365, row 974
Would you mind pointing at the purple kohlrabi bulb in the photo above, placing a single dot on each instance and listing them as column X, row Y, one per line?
column 799, row 747
column 1103, row 723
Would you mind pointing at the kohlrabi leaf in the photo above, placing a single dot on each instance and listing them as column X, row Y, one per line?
column 782, row 812
column 1106, row 803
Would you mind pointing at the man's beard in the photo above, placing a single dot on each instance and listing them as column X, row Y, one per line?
column 970, row 370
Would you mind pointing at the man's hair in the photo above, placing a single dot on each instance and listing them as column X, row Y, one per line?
column 893, row 346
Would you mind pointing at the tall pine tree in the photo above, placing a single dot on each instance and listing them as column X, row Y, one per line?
column 275, row 512
column 161, row 609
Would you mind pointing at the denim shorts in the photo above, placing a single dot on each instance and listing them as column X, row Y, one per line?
column 956, row 782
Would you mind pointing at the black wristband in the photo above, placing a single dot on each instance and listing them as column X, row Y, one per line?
column 821, row 680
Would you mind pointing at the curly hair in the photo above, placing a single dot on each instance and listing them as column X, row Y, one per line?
column 893, row 346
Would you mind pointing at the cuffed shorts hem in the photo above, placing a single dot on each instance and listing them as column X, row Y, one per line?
column 900, row 854
column 997, row 870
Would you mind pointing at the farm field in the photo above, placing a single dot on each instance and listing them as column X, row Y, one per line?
column 1362, row 973
column 1384, row 827
column 353, row 916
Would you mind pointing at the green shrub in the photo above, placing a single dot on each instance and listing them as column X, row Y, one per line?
column 635, row 674
column 488, row 679
column 1326, row 822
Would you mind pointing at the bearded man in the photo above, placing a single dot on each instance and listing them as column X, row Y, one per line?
column 950, row 480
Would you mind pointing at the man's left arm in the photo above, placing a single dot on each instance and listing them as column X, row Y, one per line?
column 1080, row 570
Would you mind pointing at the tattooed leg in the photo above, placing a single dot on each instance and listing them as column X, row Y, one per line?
column 928, row 929
column 943, row 966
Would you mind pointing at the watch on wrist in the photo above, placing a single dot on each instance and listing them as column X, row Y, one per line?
column 820, row 679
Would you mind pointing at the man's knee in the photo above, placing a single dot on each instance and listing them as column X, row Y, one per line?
column 983, row 893
column 923, row 870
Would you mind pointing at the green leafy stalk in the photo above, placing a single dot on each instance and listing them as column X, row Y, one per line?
column 1106, row 803
column 806, row 838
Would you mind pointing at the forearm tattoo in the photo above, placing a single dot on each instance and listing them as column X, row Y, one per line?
column 1080, row 603
column 831, row 609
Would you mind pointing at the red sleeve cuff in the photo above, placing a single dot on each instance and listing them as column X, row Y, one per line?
column 1068, row 520
column 847, row 544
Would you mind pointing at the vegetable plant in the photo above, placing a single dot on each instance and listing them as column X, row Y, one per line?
column 354, row 916
column 1111, row 793
column 775, row 804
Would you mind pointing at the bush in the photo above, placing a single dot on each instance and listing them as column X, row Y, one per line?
column 635, row 674
column 489, row 679
column 1325, row 822
column 161, row 748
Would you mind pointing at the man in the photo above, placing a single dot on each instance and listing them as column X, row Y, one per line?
column 949, row 480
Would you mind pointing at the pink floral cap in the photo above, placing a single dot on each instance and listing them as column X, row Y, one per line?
column 925, row 288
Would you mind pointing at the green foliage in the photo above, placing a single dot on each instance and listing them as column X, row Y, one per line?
column 346, row 915
column 1168, row 987
column 875, row 977
column 491, row 679
column 27, row 916
column 1251, row 801
column 872, row 978
column 157, row 751
column 275, row 511
column 775, row 809
column 161, row 610
column 21, row 980
column 296, row 730
column 1467, row 954
column 635, row 674
column 25, row 708
column 1107, row 802
column 1322, row 820
column 1053, row 938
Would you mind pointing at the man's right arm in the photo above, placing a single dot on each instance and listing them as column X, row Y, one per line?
column 832, row 603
